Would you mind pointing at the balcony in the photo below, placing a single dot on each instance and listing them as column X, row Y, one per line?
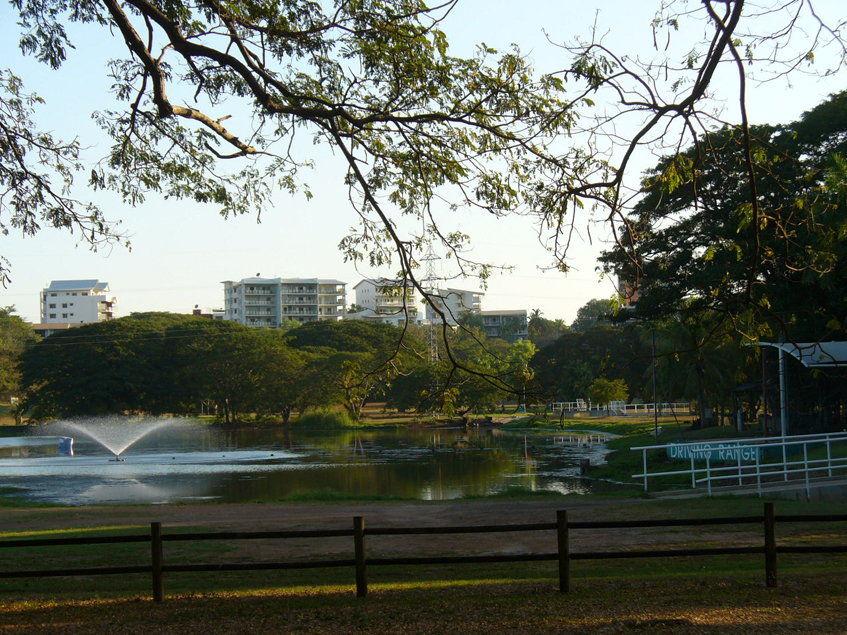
column 257, row 322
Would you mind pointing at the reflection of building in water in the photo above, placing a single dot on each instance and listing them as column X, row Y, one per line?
column 22, row 447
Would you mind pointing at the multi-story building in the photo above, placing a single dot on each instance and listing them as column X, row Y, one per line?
column 629, row 293
column 509, row 325
column 387, row 301
column 209, row 314
column 270, row 301
column 77, row 302
column 454, row 303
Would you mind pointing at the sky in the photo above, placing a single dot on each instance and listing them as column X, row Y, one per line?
column 181, row 251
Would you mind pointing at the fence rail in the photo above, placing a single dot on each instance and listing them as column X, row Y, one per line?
column 622, row 408
column 746, row 461
column 360, row 561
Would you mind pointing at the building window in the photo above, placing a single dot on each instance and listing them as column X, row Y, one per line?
column 65, row 305
column 84, row 294
column 73, row 294
column 52, row 295
column 52, row 306
column 64, row 315
column 52, row 315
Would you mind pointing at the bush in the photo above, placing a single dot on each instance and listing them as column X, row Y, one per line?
column 324, row 420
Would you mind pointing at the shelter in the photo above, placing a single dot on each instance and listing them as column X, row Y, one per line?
column 817, row 400
column 814, row 354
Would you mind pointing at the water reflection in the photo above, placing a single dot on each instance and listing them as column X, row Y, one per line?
column 188, row 463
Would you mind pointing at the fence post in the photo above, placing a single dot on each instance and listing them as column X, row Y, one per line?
column 361, row 564
column 157, row 561
column 770, row 545
column 564, row 550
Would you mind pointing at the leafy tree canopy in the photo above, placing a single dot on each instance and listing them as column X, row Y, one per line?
column 215, row 97
column 774, row 262
column 590, row 314
column 15, row 336
column 604, row 391
column 351, row 336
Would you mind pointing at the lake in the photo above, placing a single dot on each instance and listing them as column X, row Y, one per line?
column 189, row 463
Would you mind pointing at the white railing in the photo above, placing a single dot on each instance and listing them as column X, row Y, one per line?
column 745, row 461
column 584, row 438
column 581, row 405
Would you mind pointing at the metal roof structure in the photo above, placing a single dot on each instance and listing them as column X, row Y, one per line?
column 77, row 285
column 814, row 354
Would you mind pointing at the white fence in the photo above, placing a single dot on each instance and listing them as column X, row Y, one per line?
column 752, row 461
column 624, row 409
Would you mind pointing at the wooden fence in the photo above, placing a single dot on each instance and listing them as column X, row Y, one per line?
column 360, row 561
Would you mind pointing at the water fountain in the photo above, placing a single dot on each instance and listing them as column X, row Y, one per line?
column 116, row 434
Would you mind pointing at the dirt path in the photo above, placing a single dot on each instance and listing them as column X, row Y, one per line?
column 267, row 517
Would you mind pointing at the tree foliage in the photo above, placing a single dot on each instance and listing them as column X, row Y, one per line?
column 591, row 313
column 604, row 391
column 216, row 100
column 543, row 331
column 15, row 336
column 704, row 247
column 566, row 369
column 36, row 175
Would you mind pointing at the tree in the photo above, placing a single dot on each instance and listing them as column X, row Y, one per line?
column 770, row 265
column 229, row 366
column 604, row 391
column 31, row 162
column 511, row 327
column 566, row 368
column 481, row 377
column 519, row 359
column 543, row 331
column 694, row 364
column 590, row 314
column 375, row 81
column 124, row 365
column 354, row 360
column 15, row 336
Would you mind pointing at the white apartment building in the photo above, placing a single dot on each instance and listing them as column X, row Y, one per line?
column 77, row 302
column 386, row 300
column 511, row 325
column 269, row 301
column 454, row 302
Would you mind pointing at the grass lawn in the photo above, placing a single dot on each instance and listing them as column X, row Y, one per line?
column 711, row 603
column 708, row 595
column 700, row 595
